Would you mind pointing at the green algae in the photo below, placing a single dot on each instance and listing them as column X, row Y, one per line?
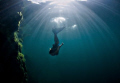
column 11, row 44
column 20, row 57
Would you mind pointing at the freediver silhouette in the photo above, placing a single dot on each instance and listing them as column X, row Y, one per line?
column 56, row 47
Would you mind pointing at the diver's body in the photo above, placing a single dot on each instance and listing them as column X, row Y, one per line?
column 55, row 49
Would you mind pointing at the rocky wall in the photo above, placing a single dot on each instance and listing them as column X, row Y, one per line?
column 12, row 61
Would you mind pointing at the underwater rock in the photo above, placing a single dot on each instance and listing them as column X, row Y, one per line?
column 12, row 61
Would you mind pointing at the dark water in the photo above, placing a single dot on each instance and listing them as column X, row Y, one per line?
column 90, row 53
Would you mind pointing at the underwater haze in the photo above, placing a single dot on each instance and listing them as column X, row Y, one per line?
column 91, row 50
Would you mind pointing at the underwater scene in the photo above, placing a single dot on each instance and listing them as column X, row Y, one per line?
column 65, row 41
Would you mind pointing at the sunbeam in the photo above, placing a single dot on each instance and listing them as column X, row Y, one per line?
column 70, row 13
column 55, row 1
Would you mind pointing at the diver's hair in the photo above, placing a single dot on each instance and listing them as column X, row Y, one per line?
column 50, row 51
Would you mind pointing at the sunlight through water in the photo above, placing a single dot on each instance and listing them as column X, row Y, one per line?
column 74, row 26
column 58, row 21
column 71, row 13
column 56, row 1
column 87, row 39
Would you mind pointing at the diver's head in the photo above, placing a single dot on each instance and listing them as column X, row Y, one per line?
column 51, row 52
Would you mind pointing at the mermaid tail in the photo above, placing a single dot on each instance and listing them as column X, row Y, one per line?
column 57, row 30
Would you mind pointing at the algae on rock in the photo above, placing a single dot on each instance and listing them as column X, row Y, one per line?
column 12, row 61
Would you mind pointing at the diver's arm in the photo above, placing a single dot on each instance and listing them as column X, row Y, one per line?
column 58, row 48
column 61, row 45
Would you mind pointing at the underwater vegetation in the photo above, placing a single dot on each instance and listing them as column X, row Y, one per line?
column 12, row 61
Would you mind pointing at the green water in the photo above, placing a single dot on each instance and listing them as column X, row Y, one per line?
column 90, row 53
